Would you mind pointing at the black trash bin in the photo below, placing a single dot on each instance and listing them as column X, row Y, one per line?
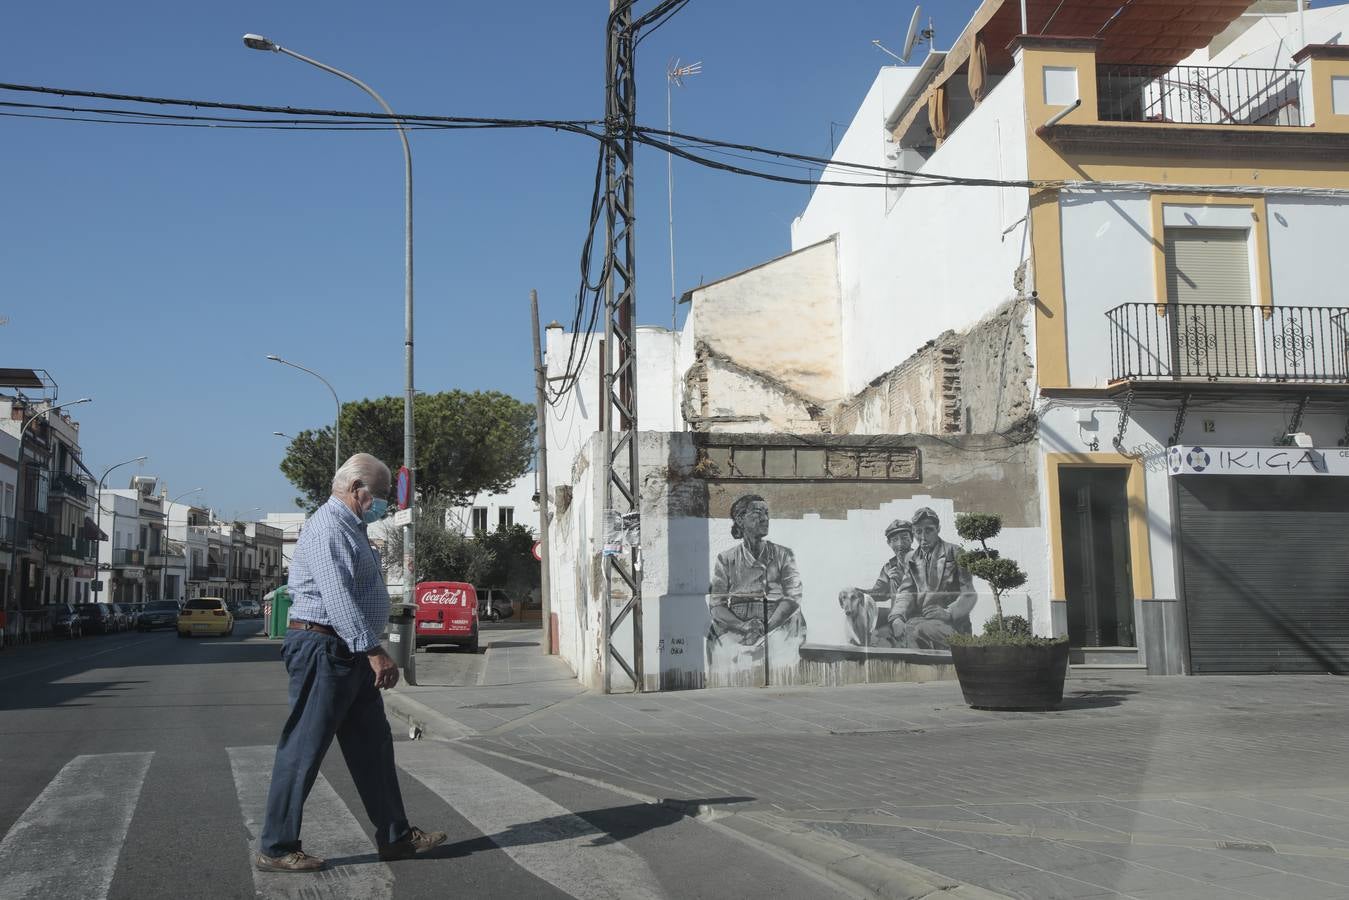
column 400, row 640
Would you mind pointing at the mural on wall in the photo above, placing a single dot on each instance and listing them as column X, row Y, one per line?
column 920, row 598
column 928, row 595
column 755, row 596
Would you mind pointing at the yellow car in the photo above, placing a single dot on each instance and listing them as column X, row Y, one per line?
column 205, row 615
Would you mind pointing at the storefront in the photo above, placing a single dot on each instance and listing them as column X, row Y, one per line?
column 1262, row 537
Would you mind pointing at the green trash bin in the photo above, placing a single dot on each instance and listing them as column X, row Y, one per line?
column 280, row 615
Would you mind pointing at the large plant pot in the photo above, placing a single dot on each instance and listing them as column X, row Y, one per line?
column 1007, row 677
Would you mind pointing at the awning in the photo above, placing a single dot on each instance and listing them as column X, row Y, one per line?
column 91, row 532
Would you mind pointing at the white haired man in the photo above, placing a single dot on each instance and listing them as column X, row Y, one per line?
column 337, row 668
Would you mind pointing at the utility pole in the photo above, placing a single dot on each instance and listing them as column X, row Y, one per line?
column 540, row 411
column 622, row 483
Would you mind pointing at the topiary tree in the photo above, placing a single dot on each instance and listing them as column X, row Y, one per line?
column 1001, row 574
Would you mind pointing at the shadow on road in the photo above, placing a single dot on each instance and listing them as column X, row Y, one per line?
column 611, row 825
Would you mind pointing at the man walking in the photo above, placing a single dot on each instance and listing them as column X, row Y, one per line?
column 337, row 668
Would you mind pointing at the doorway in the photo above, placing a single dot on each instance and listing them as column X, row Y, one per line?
column 1094, row 518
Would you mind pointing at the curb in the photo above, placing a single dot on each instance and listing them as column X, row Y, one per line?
column 423, row 718
column 860, row 871
column 871, row 875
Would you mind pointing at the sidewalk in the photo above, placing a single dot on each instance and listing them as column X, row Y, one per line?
column 1137, row 787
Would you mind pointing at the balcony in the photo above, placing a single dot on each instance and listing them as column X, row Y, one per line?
column 127, row 557
column 73, row 547
column 40, row 524
column 246, row 574
column 10, row 530
column 1197, row 95
column 70, row 486
column 1212, row 342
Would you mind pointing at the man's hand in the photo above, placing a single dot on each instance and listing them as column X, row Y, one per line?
column 386, row 671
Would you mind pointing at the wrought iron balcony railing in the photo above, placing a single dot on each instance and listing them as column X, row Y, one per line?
column 1198, row 95
column 128, row 557
column 1221, row 342
column 64, row 483
column 73, row 547
column 12, row 531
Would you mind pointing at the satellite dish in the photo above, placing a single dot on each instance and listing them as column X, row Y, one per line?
column 912, row 37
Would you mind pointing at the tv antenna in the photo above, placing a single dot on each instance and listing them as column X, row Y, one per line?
column 675, row 73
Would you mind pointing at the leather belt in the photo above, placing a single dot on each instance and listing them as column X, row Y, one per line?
column 302, row 625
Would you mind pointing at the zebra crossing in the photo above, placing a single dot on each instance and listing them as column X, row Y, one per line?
column 91, row 802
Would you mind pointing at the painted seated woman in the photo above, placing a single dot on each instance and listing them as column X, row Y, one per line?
column 752, row 575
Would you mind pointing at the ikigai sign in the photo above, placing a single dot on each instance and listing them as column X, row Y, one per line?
column 1258, row 461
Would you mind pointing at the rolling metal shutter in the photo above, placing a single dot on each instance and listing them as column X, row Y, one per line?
column 1265, row 569
column 1211, row 266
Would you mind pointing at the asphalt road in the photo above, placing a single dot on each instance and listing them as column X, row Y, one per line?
column 134, row 766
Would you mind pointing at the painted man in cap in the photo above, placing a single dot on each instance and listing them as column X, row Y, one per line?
column 936, row 590
column 899, row 535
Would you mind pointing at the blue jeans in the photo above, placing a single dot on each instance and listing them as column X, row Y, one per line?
column 332, row 694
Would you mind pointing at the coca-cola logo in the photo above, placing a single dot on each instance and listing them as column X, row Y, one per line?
column 445, row 598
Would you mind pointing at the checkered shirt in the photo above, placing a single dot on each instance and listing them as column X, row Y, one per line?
column 336, row 580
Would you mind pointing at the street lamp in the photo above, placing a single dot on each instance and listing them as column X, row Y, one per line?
column 337, row 423
column 282, row 434
column 258, row 42
column 187, row 562
column 18, row 494
column 98, row 500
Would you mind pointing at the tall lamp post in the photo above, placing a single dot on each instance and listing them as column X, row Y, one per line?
column 258, row 42
column 98, row 500
column 187, row 563
column 18, row 497
column 337, row 422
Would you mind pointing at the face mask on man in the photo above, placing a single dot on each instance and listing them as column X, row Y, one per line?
column 376, row 511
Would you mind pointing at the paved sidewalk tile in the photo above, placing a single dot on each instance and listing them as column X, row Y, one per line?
column 1137, row 787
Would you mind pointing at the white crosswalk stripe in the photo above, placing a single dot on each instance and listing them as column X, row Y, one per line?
column 541, row 836
column 88, row 805
column 332, row 831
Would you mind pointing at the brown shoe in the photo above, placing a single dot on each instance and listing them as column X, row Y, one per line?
column 297, row 861
column 417, row 841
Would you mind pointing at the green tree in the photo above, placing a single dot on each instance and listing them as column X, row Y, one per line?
column 512, row 564
column 467, row 442
column 443, row 554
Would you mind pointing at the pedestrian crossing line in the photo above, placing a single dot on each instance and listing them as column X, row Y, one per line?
column 87, row 806
column 330, row 830
column 544, row 838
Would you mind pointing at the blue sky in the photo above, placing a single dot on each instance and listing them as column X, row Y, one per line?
column 154, row 268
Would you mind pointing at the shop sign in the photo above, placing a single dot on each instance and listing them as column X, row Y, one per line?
column 1299, row 461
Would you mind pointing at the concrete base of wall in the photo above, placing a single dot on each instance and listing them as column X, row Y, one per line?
column 1163, row 637
column 823, row 666
column 1058, row 617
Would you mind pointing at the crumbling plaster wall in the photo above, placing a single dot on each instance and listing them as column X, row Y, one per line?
column 781, row 317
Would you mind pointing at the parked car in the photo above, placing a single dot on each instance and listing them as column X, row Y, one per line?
column 126, row 615
column 66, row 621
column 494, row 604
column 447, row 613
column 97, row 618
column 248, row 609
column 205, row 615
column 157, row 614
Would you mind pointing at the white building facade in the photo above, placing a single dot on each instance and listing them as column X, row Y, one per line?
column 1121, row 328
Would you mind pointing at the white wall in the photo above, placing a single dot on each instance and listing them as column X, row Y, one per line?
column 1109, row 259
column 572, row 422
column 780, row 318
column 519, row 496
column 1308, row 262
column 1244, row 425
column 916, row 262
